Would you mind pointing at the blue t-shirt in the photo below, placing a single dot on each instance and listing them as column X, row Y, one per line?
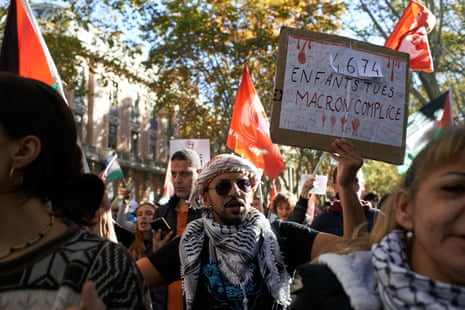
column 214, row 291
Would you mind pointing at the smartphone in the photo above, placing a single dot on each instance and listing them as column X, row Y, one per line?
column 160, row 223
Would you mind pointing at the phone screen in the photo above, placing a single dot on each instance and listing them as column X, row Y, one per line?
column 160, row 223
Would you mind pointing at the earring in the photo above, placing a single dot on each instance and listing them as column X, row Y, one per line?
column 12, row 172
column 409, row 234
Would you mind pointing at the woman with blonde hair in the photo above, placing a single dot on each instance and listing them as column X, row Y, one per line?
column 415, row 255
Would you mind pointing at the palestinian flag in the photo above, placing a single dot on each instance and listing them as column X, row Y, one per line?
column 424, row 125
column 24, row 51
column 113, row 170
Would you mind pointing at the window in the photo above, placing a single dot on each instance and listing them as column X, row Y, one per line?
column 113, row 94
column 134, row 143
column 112, row 133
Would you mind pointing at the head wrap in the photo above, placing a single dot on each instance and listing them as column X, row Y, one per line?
column 218, row 165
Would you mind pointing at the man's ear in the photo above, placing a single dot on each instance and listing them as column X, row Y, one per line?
column 404, row 213
column 206, row 199
column 26, row 150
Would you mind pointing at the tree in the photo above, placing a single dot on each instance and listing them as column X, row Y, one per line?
column 199, row 49
column 446, row 40
column 448, row 52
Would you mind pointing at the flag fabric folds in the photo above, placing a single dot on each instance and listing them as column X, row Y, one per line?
column 410, row 35
column 249, row 131
column 168, row 188
column 424, row 125
column 112, row 170
column 24, row 51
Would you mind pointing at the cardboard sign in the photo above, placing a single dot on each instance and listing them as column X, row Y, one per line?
column 201, row 146
column 328, row 86
column 319, row 185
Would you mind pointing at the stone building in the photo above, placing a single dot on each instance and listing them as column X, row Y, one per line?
column 114, row 114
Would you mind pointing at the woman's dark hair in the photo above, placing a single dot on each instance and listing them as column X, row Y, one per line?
column 30, row 107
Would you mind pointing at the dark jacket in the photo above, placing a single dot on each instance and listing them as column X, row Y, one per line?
column 169, row 213
column 299, row 213
column 331, row 221
column 317, row 287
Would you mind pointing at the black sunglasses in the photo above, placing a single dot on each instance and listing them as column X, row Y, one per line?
column 224, row 186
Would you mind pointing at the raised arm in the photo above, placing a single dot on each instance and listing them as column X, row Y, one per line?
column 121, row 219
column 298, row 214
column 349, row 162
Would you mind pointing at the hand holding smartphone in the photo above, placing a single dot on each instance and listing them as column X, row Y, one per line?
column 160, row 223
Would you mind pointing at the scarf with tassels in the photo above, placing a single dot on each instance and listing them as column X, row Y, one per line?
column 235, row 248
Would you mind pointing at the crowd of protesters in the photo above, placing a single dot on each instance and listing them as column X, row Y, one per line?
column 62, row 249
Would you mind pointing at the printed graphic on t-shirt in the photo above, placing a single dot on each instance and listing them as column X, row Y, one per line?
column 224, row 295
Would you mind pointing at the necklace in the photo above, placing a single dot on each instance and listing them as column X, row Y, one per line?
column 30, row 242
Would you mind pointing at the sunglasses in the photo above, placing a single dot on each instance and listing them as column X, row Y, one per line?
column 224, row 186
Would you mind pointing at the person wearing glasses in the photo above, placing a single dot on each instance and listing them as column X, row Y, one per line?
column 232, row 257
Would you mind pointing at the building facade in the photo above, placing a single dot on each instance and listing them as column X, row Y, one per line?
column 114, row 111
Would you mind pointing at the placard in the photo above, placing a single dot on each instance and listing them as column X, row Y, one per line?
column 329, row 86
column 201, row 146
column 319, row 185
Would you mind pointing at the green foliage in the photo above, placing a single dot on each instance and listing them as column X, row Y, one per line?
column 447, row 46
column 380, row 177
column 200, row 48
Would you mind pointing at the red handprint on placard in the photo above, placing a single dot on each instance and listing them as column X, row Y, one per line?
column 333, row 122
column 343, row 123
column 355, row 126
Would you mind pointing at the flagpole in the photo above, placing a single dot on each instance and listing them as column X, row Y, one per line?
column 320, row 161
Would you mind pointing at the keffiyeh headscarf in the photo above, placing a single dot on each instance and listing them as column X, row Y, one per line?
column 218, row 165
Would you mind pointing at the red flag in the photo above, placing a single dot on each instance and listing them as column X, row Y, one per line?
column 249, row 131
column 24, row 51
column 447, row 114
column 410, row 35
column 168, row 189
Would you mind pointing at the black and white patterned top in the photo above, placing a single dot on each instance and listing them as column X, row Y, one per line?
column 52, row 277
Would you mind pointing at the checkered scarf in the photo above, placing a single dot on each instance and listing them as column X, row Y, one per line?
column 401, row 288
column 235, row 248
